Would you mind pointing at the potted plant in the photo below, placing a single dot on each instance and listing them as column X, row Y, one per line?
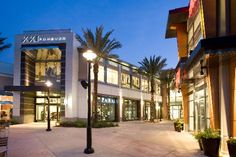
column 232, row 146
column 179, row 125
column 198, row 136
column 211, row 142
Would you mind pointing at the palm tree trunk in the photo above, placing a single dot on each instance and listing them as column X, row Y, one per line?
column 153, row 109
column 168, row 104
column 95, row 91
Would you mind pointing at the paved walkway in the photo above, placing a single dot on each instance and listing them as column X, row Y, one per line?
column 130, row 139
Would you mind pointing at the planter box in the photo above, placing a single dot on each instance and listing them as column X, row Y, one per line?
column 232, row 149
column 211, row 146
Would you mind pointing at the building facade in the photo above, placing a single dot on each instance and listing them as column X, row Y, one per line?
column 206, row 38
column 123, row 94
column 6, row 98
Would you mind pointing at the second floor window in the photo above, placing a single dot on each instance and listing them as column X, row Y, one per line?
column 112, row 76
column 100, row 73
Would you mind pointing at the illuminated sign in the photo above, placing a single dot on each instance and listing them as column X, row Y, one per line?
column 37, row 39
column 108, row 100
column 193, row 7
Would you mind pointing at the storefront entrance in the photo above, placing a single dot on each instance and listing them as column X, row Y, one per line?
column 131, row 109
column 42, row 106
column 199, row 118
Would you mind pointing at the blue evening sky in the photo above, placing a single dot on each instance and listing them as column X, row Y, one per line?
column 139, row 25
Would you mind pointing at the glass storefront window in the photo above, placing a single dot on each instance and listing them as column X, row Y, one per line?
column 106, row 108
column 135, row 82
column 125, row 80
column 47, row 64
column 112, row 76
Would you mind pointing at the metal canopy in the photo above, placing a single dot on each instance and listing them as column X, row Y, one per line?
column 28, row 88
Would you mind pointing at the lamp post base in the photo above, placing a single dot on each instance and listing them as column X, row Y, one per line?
column 48, row 129
column 88, row 150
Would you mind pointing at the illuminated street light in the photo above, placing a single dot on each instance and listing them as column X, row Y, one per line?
column 89, row 56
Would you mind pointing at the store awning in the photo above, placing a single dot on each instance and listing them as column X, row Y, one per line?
column 6, row 102
column 217, row 46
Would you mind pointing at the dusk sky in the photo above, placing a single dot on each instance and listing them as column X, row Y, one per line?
column 139, row 25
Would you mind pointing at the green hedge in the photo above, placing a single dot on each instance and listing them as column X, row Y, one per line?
column 82, row 124
column 104, row 124
column 77, row 124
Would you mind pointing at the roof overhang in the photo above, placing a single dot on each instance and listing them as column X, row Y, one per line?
column 213, row 46
column 176, row 16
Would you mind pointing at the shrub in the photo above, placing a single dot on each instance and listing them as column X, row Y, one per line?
column 179, row 124
column 14, row 121
column 198, row 135
column 77, row 124
column 231, row 141
column 102, row 124
column 210, row 133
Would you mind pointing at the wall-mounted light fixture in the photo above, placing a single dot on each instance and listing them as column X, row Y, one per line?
column 202, row 67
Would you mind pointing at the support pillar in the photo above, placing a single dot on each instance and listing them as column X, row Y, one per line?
column 224, row 89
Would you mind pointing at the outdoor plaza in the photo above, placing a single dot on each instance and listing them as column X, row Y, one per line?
column 130, row 139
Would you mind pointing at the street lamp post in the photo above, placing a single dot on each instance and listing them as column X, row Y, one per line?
column 90, row 56
column 48, row 84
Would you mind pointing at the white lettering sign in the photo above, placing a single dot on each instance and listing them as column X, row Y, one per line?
column 37, row 38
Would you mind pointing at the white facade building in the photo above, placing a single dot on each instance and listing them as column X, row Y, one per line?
column 123, row 94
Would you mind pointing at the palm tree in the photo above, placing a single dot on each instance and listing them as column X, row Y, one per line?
column 167, row 77
column 3, row 46
column 151, row 68
column 102, row 45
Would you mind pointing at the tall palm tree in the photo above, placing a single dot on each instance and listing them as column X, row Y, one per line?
column 102, row 45
column 151, row 68
column 167, row 77
column 3, row 46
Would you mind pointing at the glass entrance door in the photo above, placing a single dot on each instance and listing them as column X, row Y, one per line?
column 131, row 109
column 42, row 112
column 147, row 110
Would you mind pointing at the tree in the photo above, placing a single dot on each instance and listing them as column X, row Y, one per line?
column 102, row 45
column 151, row 68
column 3, row 46
column 167, row 77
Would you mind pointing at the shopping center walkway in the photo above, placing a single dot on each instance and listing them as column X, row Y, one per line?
column 130, row 139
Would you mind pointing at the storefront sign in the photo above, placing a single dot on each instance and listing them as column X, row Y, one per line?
column 37, row 39
column 108, row 100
